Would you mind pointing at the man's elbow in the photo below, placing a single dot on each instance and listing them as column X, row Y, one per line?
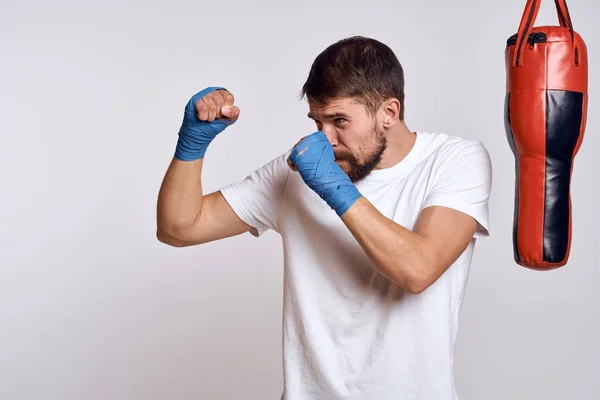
column 421, row 279
column 170, row 240
column 417, row 286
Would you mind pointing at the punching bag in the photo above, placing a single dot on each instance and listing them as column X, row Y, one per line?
column 545, row 116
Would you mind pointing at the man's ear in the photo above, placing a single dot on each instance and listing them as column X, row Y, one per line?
column 391, row 111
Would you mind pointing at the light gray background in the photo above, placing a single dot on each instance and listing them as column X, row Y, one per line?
column 92, row 306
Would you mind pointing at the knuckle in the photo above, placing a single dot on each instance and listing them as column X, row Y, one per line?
column 226, row 96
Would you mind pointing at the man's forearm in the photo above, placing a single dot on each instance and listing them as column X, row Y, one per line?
column 398, row 253
column 180, row 197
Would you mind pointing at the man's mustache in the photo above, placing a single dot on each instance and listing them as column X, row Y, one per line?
column 343, row 156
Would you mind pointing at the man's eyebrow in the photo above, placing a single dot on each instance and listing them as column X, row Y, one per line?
column 332, row 115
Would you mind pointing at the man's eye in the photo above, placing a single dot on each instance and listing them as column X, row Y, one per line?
column 340, row 120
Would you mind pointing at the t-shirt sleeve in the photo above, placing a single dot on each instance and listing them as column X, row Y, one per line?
column 256, row 199
column 464, row 183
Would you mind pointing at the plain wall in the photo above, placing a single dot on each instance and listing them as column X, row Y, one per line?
column 92, row 94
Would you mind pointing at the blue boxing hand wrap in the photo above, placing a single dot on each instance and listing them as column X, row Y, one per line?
column 314, row 159
column 195, row 135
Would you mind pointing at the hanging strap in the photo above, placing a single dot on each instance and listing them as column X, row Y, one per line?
column 528, row 20
column 562, row 20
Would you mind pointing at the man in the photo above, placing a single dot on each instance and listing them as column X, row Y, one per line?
column 378, row 225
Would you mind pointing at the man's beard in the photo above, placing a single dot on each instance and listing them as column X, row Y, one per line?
column 360, row 170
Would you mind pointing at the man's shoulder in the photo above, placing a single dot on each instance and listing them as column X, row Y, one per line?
column 272, row 173
column 449, row 142
column 446, row 147
column 276, row 164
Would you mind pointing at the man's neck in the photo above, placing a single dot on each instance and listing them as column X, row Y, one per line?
column 400, row 141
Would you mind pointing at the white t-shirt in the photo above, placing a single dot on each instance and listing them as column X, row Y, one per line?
column 349, row 332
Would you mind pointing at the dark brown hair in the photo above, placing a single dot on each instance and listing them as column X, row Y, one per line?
column 356, row 67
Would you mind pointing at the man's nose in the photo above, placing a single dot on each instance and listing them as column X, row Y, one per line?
column 331, row 135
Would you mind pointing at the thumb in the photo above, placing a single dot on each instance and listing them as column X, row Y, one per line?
column 291, row 165
column 230, row 112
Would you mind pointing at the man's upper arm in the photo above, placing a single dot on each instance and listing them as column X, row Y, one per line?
column 447, row 233
column 456, row 209
column 217, row 221
column 464, row 184
column 248, row 205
